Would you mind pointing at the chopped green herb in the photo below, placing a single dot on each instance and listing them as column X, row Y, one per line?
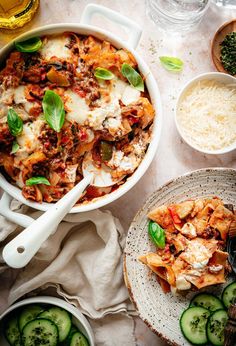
column 228, row 53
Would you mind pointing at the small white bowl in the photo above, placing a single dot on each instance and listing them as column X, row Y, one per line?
column 77, row 317
column 219, row 77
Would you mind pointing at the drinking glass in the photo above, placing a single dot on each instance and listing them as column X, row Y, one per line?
column 225, row 3
column 177, row 15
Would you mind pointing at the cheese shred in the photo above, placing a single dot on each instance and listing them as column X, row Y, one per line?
column 207, row 115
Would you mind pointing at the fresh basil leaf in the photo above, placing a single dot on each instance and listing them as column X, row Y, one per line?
column 53, row 109
column 37, row 180
column 171, row 64
column 15, row 147
column 15, row 123
column 157, row 234
column 29, row 46
column 133, row 77
column 103, row 73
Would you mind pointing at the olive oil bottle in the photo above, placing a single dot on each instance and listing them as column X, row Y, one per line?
column 16, row 13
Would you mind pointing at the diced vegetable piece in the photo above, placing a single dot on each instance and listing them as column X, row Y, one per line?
column 78, row 339
column 57, row 77
column 229, row 294
column 61, row 318
column 193, row 325
column 37, row 180
column 174, row 215
column 105, row 151
column 12, row 331
column 215, row 327
column 184, row 209
column 28, row 314
column 40, row 331
column 207, row 301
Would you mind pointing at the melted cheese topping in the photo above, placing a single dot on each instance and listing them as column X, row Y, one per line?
column 107, row 110
column 124, row 92
column 123, row 163
column 55, row 46
column 28, row 140
column 77, row 109
column 198, row 254
column 207, row 115
column 6, row 97
column 19, row 98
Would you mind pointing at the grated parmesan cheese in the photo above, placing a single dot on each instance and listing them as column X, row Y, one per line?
column 207, row 115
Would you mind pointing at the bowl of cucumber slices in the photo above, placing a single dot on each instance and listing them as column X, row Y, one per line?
column 44, row 320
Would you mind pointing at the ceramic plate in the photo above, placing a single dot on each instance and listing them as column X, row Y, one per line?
column 161, row 312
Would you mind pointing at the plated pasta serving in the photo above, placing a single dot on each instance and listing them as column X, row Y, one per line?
column 179, row 264
column 65, row 98
column 191, row 243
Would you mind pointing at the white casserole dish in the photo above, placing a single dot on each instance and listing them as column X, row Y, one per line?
column 133, row 37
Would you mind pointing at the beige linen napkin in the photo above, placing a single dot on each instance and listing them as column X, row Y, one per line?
column 83, row 262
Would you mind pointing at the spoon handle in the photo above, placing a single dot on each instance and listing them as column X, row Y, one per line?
column 19, row 251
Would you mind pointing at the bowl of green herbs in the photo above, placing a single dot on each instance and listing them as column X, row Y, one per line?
column 223, row 48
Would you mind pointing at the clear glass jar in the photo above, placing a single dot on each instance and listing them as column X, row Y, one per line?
column 177, row 15
column 16, row 13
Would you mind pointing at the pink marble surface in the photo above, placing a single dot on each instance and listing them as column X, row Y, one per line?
column 173, row 157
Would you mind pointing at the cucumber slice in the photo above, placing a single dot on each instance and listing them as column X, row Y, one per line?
column 215, row 327
column 40, row 332
column 72, row 331
column 193, row 324
column 229, row 294
column 28, row 314
column 12, row 332
column 207, row 301
column 61, row 318
column 78, row 339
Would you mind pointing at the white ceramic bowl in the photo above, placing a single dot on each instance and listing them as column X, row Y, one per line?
column 77, row 317
column 130, row 44
column 216, row 76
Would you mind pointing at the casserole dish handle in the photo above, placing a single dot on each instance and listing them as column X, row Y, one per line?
column 5, row 210
column 133, row 29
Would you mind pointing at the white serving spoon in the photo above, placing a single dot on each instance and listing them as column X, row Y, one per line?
column 19, row 251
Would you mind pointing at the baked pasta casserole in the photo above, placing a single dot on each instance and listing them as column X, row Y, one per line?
column 64, row 97
column 190, row 239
